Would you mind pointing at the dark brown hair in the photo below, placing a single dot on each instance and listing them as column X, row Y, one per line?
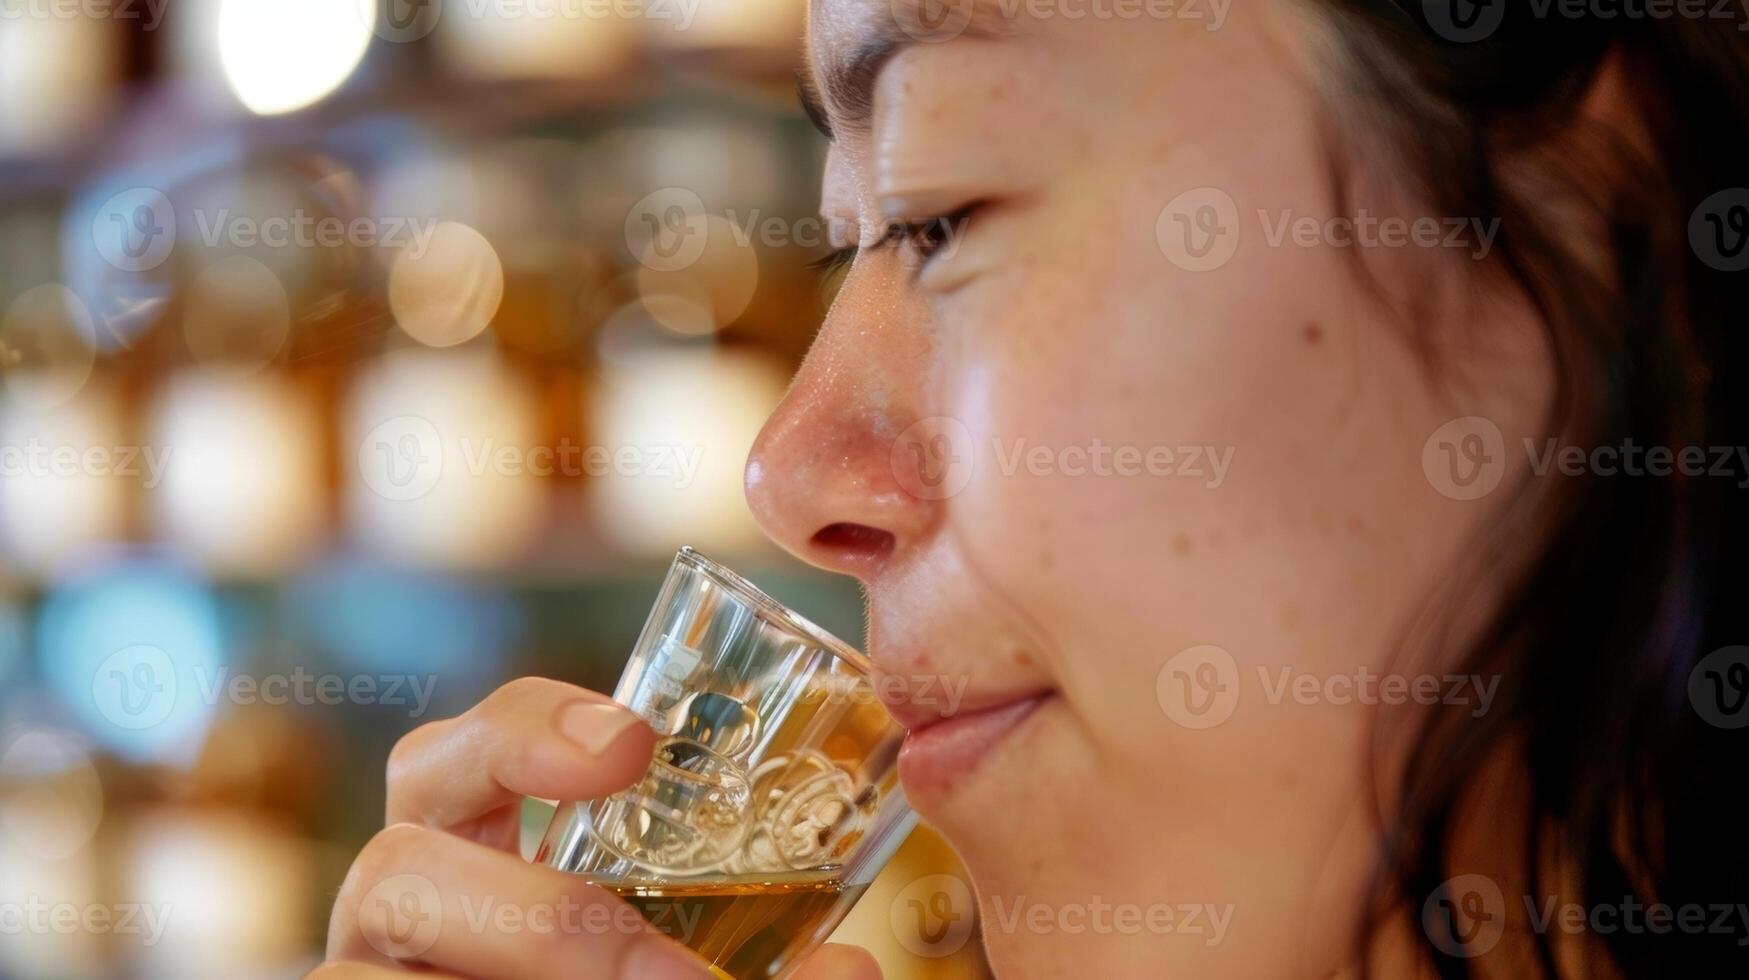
column 1621, row 585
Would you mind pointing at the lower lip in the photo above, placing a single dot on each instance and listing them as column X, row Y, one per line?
column 936, row 757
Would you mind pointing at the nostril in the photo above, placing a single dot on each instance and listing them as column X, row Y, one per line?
column 855, row 542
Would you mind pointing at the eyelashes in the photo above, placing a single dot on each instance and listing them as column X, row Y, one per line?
column 924, row 237
column 834, row 262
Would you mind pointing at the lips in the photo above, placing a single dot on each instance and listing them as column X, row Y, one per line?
column 942, row 750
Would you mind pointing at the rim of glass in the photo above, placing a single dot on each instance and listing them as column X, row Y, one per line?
column 734, row 582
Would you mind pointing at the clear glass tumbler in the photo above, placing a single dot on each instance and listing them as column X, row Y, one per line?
column 772, row 799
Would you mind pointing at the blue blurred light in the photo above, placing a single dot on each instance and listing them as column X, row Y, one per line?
column 385, row 620
column 12, row 640
column 135, row 653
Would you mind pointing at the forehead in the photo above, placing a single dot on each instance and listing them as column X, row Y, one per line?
column 849, row 41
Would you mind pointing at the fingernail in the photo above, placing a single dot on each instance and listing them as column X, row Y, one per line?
column 593, row 725
column 656, row 959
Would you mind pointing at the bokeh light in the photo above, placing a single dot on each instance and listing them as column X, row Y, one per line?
column 536, row 40
column 236, row 314
column 446, row 292
column 65, row 480
column 135, row 654
column 686, row 418
column 720, row 281
column 235, row 888
column 281, row 55
column 381, row 619
column 51, row 799
column 240, row 489
column 75, row 882
column 55, row 76
column 438, row 463
column 47, row 345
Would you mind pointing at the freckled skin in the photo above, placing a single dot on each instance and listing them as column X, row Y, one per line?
column 1058, row 321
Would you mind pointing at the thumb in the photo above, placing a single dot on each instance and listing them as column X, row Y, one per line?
column 839, row 962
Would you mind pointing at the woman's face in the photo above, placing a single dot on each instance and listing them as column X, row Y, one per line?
column 1133, row 472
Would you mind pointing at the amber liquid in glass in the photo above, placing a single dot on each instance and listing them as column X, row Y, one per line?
column 744, row 926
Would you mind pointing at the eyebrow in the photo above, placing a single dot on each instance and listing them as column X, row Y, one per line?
column 850, row 82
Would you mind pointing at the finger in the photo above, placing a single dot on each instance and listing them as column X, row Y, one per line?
column 422, row 897
column 531, row 737
column 336, row 970
column 839, row 962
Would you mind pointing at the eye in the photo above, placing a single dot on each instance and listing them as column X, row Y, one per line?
column 930, row 237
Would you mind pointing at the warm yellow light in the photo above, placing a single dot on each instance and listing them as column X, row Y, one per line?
column 47, row 346
column 442, row 459
column 241, row 462
column 65, row 476
column 447, row 290
column 677, row 424
column 238, row 315
column 281, row 55
column 50, row 797
column 56, row 73
column 718, row 275
column 769, row 24
column 232, row 892
column 537, row 40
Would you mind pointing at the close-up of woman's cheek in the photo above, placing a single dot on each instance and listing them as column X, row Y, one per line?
column 1214, row 457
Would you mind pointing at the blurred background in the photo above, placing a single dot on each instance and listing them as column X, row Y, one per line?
column 357, row 358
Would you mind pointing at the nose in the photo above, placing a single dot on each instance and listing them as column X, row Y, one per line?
column 827, row 476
